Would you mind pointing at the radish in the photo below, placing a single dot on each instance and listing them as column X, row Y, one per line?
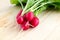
column 24, row 16
column 20, row 20
column 34, row 22
column 19, row 14
column 29, row 16
column 25, row 25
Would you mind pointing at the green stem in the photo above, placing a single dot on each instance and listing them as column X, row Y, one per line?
column 40, row 6
column 27, row 6
column 21, row 3
column 33, row 6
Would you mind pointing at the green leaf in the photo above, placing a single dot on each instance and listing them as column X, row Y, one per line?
column 14, row 1
column 54, row 0
column 24, row 1
column 57, row 5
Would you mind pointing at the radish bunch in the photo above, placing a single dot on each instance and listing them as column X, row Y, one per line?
column 28, row 20
column 27, row 17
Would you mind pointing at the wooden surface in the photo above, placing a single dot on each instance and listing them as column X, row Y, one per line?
column 48, row 29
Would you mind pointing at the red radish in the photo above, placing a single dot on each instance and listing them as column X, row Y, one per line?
column 25, row 25
column 27, row 20
column 29, row 16
column 34, row 22
column 20, row 20
column 19, row 13
column 24, row 17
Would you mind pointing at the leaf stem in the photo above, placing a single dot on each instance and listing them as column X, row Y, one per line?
column 33, row 6
column 21, row 3
column 27, row 6
column 40, row 6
